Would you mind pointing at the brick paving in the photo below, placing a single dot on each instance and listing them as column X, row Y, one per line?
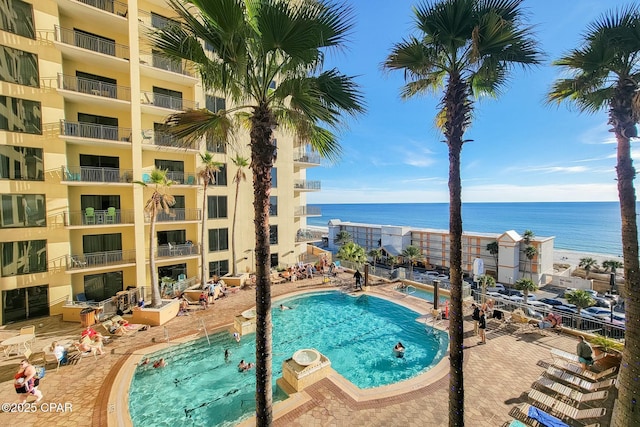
column 497, row 375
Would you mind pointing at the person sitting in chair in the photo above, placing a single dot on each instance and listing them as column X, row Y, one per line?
column 551, row 321
column 59, row 351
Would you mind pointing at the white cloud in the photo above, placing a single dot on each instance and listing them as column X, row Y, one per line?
column 560, row 169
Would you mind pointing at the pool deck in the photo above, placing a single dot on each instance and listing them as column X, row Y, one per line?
column 497, row 375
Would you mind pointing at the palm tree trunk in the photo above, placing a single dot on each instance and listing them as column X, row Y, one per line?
column 203, row 253
column 457, row 107
column 156, row 299
column 261, row 164
column 233, row 230
column 625, row 412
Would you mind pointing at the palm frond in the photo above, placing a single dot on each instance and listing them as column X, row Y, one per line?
column 191, row 125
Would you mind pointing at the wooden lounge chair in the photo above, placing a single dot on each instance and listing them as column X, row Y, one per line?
column 557, row 354
column 556, row 372
column 565, row 410
column 577, row 369
column 570, row 392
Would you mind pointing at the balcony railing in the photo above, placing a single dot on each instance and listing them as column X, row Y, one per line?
column 100, row 259
column 94, row 131
column 304, row 185
column 94, row 87
column 179, row 214
column 183, row 249
column 166, row 101
column 306, row 156
column 185, row 178
column 308, row 211
column 163, row 139
column 308, row 235
column 110, row 6
column 163, row 63
column 89, row 42
column 100, row 217
column 94, row 174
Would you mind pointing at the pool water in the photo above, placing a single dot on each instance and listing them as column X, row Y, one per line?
column 198, row 387
column 423, row 294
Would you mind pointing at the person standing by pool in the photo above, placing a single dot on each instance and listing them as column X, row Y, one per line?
column 236, row 336
column 26, row 382
column 358, row 276
column 482, row 325
column 476, row 318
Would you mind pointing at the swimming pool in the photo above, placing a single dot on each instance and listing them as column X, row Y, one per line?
column 421, row 293
column 356, row 333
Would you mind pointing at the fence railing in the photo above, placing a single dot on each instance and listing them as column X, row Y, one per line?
column 179, row 214
column 94, row 131
column 167, row 101
column 183, row 249
column 99, row 217
column 307, row 211
column 94, row 87
column 89, row 42
column 164, row 139
column 93, row 174
column 303, row 184
column 99, row 259
column 163, row 63
column 306, row 156
column 111, row 6
column 308, row 235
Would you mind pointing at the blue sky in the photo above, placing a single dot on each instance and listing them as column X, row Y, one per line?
column 522, row 149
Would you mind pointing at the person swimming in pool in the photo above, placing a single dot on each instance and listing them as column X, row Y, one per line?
column 284, row 307
column 242, row 366
column 399, row 349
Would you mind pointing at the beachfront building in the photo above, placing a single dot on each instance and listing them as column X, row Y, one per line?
column 508, row 265
column 82, row 104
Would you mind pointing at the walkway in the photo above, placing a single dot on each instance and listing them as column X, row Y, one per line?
column 497, row 375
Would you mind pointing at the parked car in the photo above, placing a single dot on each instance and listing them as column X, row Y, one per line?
column 603, row 302
column 568, row 291
column 551, row 301
column 511, row 291
column 596, row 311
column 520, row 297
column 538, row 305
column 498, row 287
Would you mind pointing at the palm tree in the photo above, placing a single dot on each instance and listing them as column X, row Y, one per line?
column 467, row 48
column 530, row 252
column 412, row 254
column 376, row 254
column 342, row 238
column 603, row 74
column 207, row 174
column 257, row 43
column 581, row 299
column 493, row 248
column 159, row 201
column 528, row 236
column 612, row 265
column 588, row 264
column 526, row 286
column 486, row 281
column 240, row 163
column 352, row 252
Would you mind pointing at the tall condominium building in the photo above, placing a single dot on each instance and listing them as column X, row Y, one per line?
column 83, row 99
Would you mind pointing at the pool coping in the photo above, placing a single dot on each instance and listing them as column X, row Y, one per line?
column 118, row 396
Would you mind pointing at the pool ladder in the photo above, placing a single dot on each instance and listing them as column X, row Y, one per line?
column 206, row 334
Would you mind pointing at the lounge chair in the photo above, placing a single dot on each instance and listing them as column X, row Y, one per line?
column 531, row 416
column 565, row 355
column 556, row 372
column 519, row 320
column 130, row 328
column 563, row 409
column 275, row 279
column 571, row 393
column 577, row 369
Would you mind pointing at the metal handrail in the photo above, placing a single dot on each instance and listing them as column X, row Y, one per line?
column 94, row 87
column 164, row 139
column 179, row 214
column 98, row 259
column 92, row 43
column 305, row 155
column 94, row 131
column 166, row 101
column 161, row 62
column 111, row 6
column 94, row 174
column 100, row 217
column 305, row 235
column 303, row 184
column 183, row 249
column 307, row 211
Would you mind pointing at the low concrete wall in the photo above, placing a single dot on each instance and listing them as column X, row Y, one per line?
column 572, row 282
column 156, row 316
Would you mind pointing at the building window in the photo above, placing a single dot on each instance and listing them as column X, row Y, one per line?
column 215, row 145
column 273, row 234
column 25, row 303
column 173, row 271
column 159, row 21
column 167, row 98
column 274, row 260
column 274, row 177
column 273, row 205
column 220, row 176
column 174, row 168
column 99, row 287
column 23, row 210
column 216, row 207
column 218, row 268
column 24, row 257
column 17, row 17
column 215, row 104
column 218, row 239
column 21, row 163
column 20, row 115
column 19, row 67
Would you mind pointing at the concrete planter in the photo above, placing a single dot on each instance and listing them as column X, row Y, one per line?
column 156, row 316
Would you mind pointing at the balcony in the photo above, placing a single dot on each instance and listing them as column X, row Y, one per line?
column 100, row 259
column 179, row 250
column 304, row 185
column 95, row 92
column 100, row 217
column 101, row 52
column 159, row 67
column 176, row 215
column 305, row 235
column 110, row 12
column 307, row 211
column 156, row 139
column 88, row 174
column 178, row 178
column 306, row 158
column 156, row 103
column 79, row 132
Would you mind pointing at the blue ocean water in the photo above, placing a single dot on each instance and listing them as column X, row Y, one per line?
column 577, row 226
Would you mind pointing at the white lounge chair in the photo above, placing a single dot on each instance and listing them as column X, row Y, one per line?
column 579, row 382
column 565, row 355
column 577, row 369
column 565, row 410
column 571, row 393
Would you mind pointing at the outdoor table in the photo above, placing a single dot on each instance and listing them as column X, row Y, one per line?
column 12, row 345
